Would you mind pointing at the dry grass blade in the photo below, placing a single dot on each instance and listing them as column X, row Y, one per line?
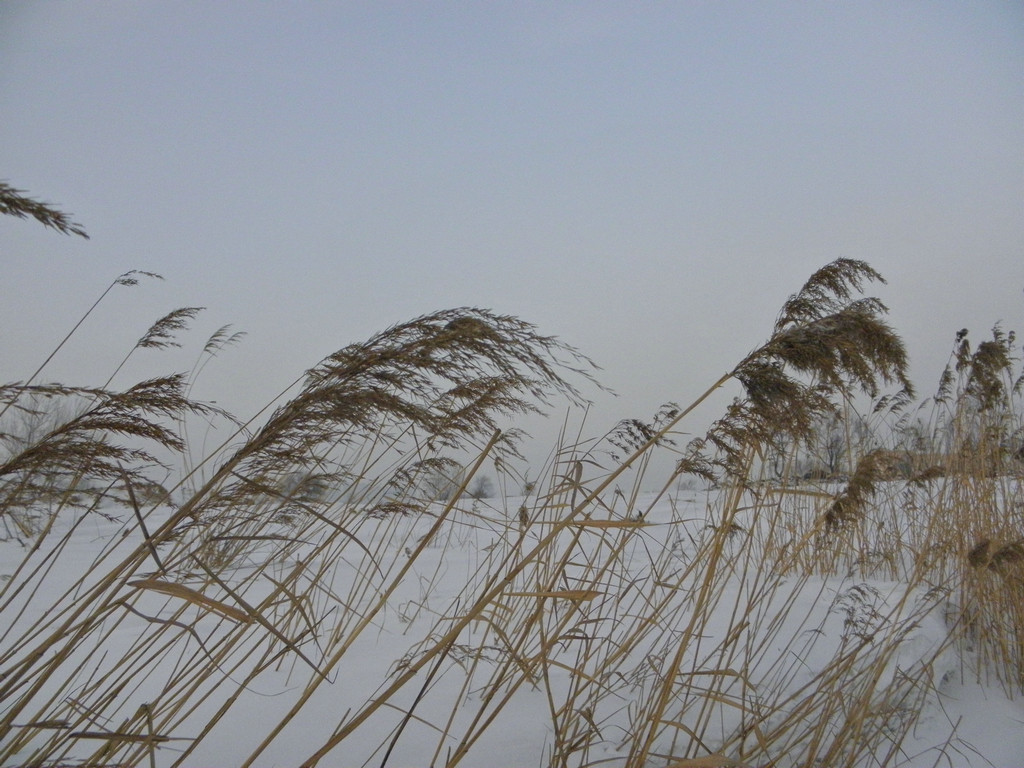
column 121, row 737
column 193, row 596
column 133, row 499
column 578, row 595
column 710, row 761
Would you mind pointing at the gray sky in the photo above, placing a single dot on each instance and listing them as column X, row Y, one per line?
column 648, row 182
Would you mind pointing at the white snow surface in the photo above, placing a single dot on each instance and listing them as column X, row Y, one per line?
column 961, row 721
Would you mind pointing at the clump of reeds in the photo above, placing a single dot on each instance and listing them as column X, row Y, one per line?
column 436, row 384
column 291, row 546
column 942, row 501
column 979, row 425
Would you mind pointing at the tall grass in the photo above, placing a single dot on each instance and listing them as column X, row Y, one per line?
column 754, row 634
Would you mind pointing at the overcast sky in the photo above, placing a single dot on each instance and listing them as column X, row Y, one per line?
column 647, row 181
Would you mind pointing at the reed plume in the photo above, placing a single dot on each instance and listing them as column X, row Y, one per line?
column 13, row 202
column 826, row 345
column 449, row 377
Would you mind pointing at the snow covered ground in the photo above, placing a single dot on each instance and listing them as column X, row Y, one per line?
column 758, row 648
